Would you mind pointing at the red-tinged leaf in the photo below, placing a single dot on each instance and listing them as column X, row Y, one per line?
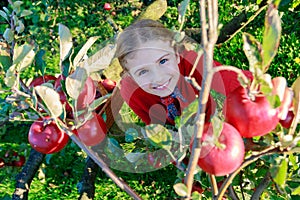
column 252, row 49
column 271, row 36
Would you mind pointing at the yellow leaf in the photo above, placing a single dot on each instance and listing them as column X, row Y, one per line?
column 155, row 10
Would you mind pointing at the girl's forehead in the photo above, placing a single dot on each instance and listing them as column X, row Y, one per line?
column 157, row 44
column 151, row 47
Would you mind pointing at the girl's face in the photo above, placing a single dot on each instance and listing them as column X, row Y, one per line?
column 154, row 67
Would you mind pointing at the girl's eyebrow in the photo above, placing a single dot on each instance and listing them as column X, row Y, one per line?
column 162, row 57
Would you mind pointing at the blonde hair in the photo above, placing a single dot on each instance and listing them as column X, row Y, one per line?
column 140, row 32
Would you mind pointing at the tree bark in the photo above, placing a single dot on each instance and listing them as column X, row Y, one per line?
column 86, row 186
column 25, row 177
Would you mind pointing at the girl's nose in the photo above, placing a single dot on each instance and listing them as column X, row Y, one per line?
column 157, row 73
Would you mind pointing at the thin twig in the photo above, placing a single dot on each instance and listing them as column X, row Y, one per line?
column 208, row 42
column 246, row 23
column 214, row 185
column 262, row 186
column 248, row 161
column 232, row 193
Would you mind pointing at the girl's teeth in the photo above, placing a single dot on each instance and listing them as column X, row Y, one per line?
column 162, row 86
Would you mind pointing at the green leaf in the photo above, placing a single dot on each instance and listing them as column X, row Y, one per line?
column 134, row 157
column 26, row 13
column 155, row 11
column 180, row 189
column 271, row 36
column 8, row 35
column 51, row 99
column 23, row 56
column 276, row 3
column 100, row 60
column 83, row 51
column 16, row 19
column 217, row 124
column 97, row 102
column 17, row 6
column 266, row 89
column 274, row 101
column 252, row 49
column 196, row 196
column 280, row 177
column 10, row 78
column 293, row 161
column 182, row 8
column 159, row 136
column 5, row 61
column 4, row 15
column 114, row 147
column 65, row 39
column 20, row 28
column 39, row 61
column 75, row 82
column 188, row 112
column 7, row 11
column 131, row 134
column 295, row 4
column 296, row 191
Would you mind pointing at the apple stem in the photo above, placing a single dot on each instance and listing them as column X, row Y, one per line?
column 220, row 145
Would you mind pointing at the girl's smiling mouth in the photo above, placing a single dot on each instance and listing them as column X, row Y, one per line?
column 162, row 86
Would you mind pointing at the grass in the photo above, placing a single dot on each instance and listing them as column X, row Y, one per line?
column 60, row 173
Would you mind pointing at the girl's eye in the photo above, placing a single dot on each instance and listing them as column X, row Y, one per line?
column 142, row 72
column 163, row 61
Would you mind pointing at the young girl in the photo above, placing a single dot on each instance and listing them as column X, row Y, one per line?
column 153, row 84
